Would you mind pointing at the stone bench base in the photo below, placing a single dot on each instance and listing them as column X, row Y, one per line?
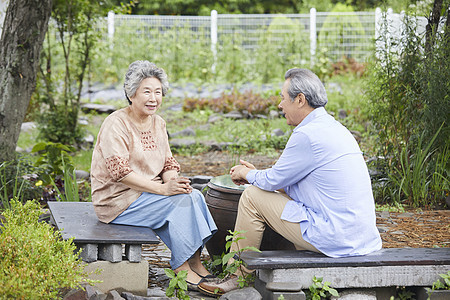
column 126, row 276
column 290, row 272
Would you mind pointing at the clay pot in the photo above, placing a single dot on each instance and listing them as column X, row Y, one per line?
column 222, row 197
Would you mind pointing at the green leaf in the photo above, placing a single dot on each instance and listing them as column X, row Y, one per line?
column 333, row 292
column 251, row 248
column 227, row 257
column 169, row 273
column 182, row 284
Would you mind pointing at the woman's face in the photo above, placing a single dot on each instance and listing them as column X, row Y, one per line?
column 148, row 97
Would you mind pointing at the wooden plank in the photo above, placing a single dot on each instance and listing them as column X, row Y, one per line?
column 78, row 220
column 288, row 259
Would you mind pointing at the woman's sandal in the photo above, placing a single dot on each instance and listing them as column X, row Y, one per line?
column 194, row 286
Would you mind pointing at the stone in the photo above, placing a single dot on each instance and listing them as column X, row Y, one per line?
column 156, row 292
column 133, row 252
column 284, row 286
column 27, row 126
column 179, row 143
column 234, row 115
column 342, row 114
column 114, row 295
column 248, row 293
column 100, row 108
column 260, row 116
column 277, row 132
column 83, row 121
column 184, row 132
column 107, row 94
column 124, row 276
column 289, row 295
column 273, row 114
column 89, row 252
column 425, row 293
column 214, row 118
column 83, row 175
column 357, row 294
column 110, row 252
column 93, row 293
column 76, row 294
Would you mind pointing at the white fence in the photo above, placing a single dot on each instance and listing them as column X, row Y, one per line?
column 331, row 34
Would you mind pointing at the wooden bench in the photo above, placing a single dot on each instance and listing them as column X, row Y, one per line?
column 289, row 272
column 99, row 241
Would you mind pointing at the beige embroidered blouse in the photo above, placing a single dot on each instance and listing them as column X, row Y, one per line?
column 120, row 149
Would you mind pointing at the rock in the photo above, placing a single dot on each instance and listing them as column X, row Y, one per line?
column 83, row 121
column 273, row 114
column 178, row 143
column 342, row 114
column 185, row 132
column 114, row 295
column 248, row 293
column 277, row 132
column 259, row 116
column 77, row 294
column 94, row 293
column 130, row 296
column 214, row 118
column 234, row 115
column 106, row 95
column 357, row 294
column 83, row 175
column 27, row 126
column 100, row 108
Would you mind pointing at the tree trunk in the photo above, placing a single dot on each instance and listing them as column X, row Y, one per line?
column 432, row 26
column 24, row 29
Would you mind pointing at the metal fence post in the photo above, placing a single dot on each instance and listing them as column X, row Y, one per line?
column 312, row 35
column 214, row 39
column 111, row 16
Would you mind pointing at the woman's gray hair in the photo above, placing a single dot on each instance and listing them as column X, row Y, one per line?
column 306, row 82
column 140, row 70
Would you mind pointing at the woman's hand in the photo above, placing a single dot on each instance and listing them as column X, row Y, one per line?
column 177, row 185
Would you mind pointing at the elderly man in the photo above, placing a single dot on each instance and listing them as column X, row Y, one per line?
column 318, row 195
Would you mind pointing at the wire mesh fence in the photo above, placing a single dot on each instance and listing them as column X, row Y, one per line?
column 299, row 35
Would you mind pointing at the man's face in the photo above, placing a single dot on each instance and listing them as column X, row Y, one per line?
column 290, row 108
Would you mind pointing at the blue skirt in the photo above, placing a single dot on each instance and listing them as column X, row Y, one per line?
column 183, row 222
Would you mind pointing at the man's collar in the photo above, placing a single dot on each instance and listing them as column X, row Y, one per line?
column 318, row 112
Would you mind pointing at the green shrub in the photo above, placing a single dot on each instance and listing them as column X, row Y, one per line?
column 35, row 262
column 407, row 93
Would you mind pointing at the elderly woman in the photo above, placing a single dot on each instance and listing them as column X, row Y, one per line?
column 135, row 177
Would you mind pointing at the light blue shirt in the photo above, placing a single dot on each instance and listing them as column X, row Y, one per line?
column 322, row 169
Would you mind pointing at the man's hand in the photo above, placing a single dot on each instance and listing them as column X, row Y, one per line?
column 239, row 173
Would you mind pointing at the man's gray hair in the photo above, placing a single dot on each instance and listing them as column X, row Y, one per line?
column 140, row 70
column 306, row 82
